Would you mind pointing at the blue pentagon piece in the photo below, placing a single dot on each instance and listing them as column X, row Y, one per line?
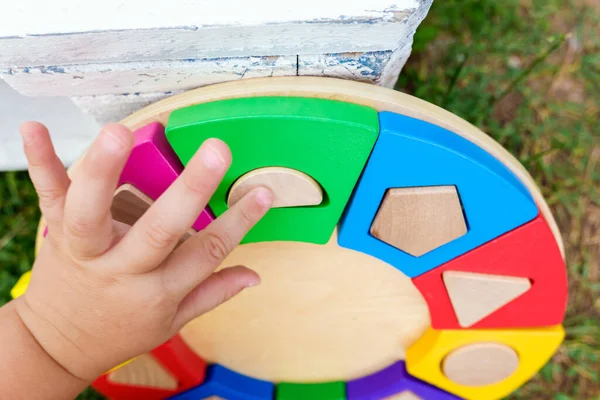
column 411, row 153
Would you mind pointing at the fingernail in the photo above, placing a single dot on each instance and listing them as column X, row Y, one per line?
column 211, row 158
column 264, row 197
column 28, row 137
column 110, row 143
column 252, row 284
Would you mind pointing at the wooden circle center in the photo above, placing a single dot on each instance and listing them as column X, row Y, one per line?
column 321, row 313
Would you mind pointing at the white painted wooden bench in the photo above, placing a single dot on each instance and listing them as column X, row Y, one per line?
column 113, row 57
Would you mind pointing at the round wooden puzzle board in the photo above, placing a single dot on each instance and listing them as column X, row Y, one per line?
column 345, row 313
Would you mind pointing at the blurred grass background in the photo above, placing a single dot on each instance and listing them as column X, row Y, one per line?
column 527, row 72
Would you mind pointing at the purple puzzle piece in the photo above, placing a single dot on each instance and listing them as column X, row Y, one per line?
column 153, row 166
column 391, row 381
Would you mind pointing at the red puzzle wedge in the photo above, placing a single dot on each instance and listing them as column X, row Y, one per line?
column 172, row 368
column 521, row 276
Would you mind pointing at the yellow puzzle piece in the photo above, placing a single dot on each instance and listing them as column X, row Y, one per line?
column 21, row 285
column 482, row 364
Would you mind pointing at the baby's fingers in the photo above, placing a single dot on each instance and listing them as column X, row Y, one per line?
column 88, row 223
column 215, row 290
column 154, row 236
column 198, row 257
column 47, row 173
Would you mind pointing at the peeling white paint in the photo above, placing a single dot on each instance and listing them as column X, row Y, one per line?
column 42, row 17
column 206, row 42
column 380, row 68
column 367, row 67
column 143, row 77
column 364, row 67
column 71, row 32
column 391, row 70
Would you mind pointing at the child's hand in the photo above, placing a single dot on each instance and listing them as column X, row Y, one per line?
column 102, row 293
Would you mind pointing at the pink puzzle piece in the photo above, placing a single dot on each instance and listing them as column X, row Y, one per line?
column 153, row 166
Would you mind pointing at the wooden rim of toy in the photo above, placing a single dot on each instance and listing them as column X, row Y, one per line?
column 380, row 98
column 451, row 354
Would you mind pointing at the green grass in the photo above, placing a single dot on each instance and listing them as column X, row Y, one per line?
column 527, row 73
column 18, row 224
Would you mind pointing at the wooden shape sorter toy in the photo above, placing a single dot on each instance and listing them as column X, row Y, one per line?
column 408, row 255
